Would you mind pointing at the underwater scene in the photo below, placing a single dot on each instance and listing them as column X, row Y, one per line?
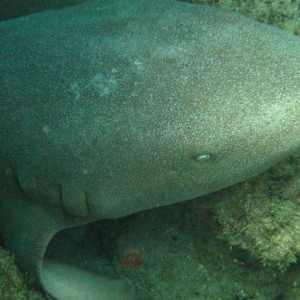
column 150, row 150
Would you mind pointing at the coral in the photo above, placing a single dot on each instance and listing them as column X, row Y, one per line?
column 13, row 284
column 281, row 13
column 262, row 215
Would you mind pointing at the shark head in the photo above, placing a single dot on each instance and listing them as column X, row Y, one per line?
column 115, row 107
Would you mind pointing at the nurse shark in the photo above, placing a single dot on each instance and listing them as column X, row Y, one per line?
column 114, row 107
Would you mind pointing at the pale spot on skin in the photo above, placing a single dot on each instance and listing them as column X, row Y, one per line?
column 85, row 172
column 46, row 129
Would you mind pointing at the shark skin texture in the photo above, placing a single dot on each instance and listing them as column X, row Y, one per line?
column 114, row 107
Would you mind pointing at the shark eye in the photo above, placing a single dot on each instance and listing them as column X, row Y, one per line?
column 203, row 157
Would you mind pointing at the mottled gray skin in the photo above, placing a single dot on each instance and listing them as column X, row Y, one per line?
column 106, row 107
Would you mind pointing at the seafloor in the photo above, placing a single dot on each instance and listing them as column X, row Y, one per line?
column 237, row 244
